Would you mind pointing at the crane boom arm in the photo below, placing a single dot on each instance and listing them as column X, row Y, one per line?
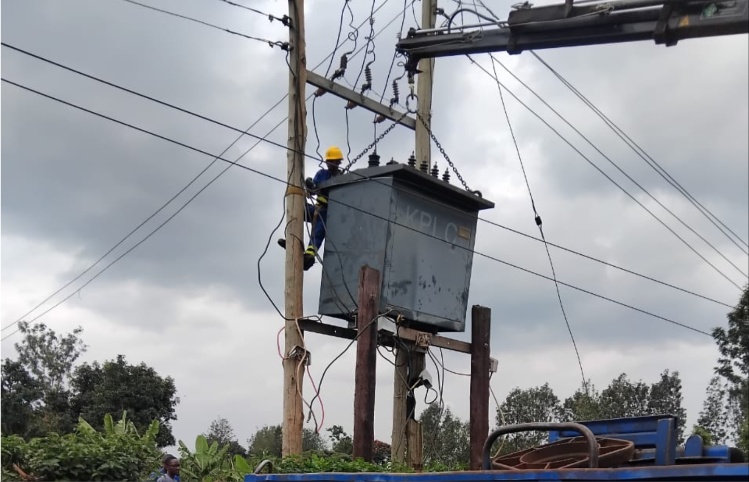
column 664, row 21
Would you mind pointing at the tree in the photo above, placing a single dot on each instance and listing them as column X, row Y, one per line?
column 712, row 417
column 267, row 442
column 733, row 366
column 221, row 432
column 21, row 396
column 446, row 437
column 665, row 397
column 538, row 404
column 623, row 398
column 44, row 366
column 116, row 386
column 342, row 442
column 584, row 404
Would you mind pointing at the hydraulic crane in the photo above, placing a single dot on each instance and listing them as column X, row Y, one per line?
column 568, row 25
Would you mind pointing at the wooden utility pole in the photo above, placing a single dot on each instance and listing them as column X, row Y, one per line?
column 424, row 84
column 295, row 354
column 366, row 363
column 480, row 367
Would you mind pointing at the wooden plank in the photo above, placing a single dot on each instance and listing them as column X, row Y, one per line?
column 415, row 445
column 366, row 363
column 480, row 364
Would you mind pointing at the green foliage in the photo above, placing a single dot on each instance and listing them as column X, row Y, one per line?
column 537, row 404
column 220, row 431
column 342, row 442
column 116, row 385
column 207, row 463
column 446, row 437
column 42, row 393
column 117, row 453
column 733, row 368
column 704, row 433
column 266, row 442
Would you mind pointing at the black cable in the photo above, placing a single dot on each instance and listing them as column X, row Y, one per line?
column 284, row 20
column 250, row 37
column 606, row 263
column 370, row 41
column 269, row 176
column 353, row 35
column 537, row 218
column 245, row 132
column 605, row 175
column 646, row 157
column 153, row 99
column 358, row 334
column 392, row 63
column 620, row 169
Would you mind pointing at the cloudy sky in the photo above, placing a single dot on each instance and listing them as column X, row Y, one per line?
column 188, row 302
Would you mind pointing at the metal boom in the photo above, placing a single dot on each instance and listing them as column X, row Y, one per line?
column 565, row 25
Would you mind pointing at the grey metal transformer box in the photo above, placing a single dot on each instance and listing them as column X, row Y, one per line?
column 417, row 230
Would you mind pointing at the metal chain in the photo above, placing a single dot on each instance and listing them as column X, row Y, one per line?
column 374, row 142
column 444, row 154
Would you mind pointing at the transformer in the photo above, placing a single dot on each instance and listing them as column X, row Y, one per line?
column 418, row 231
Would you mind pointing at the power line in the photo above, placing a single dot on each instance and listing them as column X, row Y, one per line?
column 285, row 19
column 646, row 157
column 194, row 179
column 260, row 139
column 619, row 168
column 606, row 263
column 546, row 123
column 269, row 176
column 537, row 218
column 281, row 45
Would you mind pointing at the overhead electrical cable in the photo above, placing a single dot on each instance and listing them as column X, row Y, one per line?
column 539, row 223
column 587, row 159
column 284, row 19
column 282, row 45
column 193, row 180
column 258, row 120
column 619, row 168
column 648, row 159
column 269, row 176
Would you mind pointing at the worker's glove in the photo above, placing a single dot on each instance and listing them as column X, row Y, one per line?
column 310, row 184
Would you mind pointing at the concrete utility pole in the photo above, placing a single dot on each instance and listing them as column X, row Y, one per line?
column 295, row 353
column 424, row 84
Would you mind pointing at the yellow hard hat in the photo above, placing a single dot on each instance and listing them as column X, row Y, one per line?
column 333, row 154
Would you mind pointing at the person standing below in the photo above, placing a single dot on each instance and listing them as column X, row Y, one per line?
column 170, row 471
column 317, row 214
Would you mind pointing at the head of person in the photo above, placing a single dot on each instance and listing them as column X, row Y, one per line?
column 333, row 159
column 171, row 465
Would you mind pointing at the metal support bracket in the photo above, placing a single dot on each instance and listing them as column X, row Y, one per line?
column 355, row 98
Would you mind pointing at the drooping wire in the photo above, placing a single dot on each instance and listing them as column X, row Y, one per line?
column 390, row 71
column 370, row 50
column 647, row 158
column 282, row 45
column 269, row 176
column 587, row 159
column 621, row 170
column 539, row 223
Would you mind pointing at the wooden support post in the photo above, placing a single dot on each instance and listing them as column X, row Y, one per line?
column 366, row 363
column 398, row 441
column 294, row 354
column 415, row 445
column 480, row 364
column 424, row 84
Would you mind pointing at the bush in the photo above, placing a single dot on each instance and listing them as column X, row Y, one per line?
column 116, row 453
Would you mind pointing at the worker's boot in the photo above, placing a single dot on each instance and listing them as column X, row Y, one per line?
column 309, row 258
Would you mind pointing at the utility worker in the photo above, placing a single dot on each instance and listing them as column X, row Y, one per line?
column 317, row 214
